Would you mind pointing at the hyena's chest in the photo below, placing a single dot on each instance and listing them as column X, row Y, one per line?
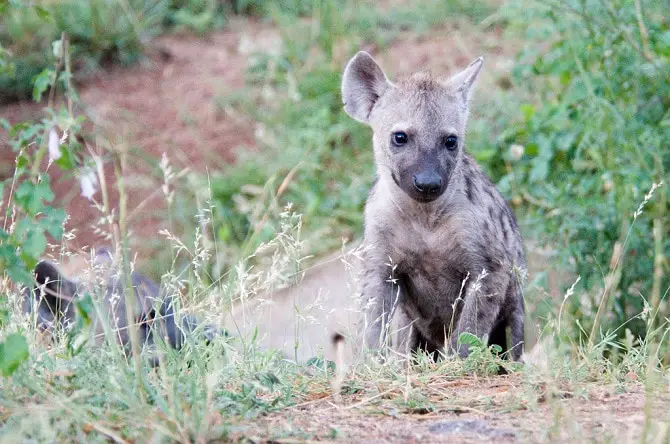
column 431, row 267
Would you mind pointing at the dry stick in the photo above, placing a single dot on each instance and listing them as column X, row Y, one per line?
column 644, row 35
column 611, row 282
column 142, row 204
column 659, row 258
column 367, row 400
column 108, row 433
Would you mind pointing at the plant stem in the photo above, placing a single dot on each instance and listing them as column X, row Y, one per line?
column 41, row 152
column 129, row 294
column 611, row 281
column 644, row 35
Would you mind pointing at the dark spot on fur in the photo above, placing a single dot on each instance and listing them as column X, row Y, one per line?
column 511, row 217
column 489, row 263
column 491, row 213
column 468, row 189
column 502, row 224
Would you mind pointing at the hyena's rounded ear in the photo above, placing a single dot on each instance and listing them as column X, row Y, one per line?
column 363, row 83
column 463, row 82
column 56, row 284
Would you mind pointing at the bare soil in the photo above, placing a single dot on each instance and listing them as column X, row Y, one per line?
column 167, row 104
column 468, row 410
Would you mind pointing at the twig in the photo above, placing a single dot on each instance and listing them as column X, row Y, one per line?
column 142, row 204
column 367, row 400
column 105, row 431
column 644, row 34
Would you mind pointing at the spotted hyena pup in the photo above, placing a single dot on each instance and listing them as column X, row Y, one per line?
column 440, row 243
column 51, row 302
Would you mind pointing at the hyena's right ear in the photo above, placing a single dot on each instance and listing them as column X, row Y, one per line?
column 56, row 286
column 363, row 83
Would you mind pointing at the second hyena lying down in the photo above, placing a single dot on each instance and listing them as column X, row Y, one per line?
column 52, row 303
column 433, row 220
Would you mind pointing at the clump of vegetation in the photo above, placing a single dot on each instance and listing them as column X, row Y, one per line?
column 591, row 144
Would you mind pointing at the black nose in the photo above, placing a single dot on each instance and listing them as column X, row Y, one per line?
column 427, row 183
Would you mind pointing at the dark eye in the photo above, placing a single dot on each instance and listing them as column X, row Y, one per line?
column 399, row 138
column 451, row 142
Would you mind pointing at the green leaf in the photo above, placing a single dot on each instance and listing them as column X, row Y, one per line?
column 527, row 110
column 469, row 339
column 85, row 309
column 53, row 221
column 41, row 82
column 540, row 169
column 42, row 13
column 67, row 160
column 267, row 379
column 15, row 267
column 495, row 348
column 13, row 351
column 34, row 244
column 30, row 196
column 321, row 363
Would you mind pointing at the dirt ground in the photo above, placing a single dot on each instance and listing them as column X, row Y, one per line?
column 469, row 410
column 167, row 104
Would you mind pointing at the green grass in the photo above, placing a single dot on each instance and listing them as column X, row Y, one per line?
column 225, row 390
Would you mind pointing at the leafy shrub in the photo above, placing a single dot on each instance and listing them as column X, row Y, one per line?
column 100, row 31
column 28, row 216
column 593, row 142
column 200, row 16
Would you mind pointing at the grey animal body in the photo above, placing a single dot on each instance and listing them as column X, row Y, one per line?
column 440, row 244
column 52, row 301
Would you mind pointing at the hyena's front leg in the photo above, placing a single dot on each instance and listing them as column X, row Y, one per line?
column 480, row 308
column 380, row 296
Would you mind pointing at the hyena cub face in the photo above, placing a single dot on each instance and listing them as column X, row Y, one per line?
column 418, row 124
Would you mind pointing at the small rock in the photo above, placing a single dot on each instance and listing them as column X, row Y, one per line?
column 470, row 426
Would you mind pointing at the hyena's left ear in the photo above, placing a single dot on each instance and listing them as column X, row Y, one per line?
column 57, row 287
column 363, row 83
column 463, row 82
